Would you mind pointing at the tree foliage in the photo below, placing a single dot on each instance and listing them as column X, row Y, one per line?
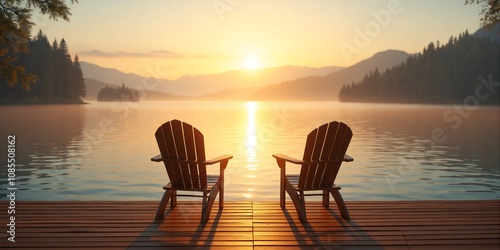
column 15, row 30
column 60, row 80
column 448, row 73
column 490, row 11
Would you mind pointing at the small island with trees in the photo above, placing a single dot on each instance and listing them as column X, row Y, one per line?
column 121, row 94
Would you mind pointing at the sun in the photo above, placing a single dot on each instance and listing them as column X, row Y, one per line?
column 251, row 63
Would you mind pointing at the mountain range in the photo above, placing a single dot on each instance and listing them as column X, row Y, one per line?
column 279, row 83
column 327, row 87
column 199, row 85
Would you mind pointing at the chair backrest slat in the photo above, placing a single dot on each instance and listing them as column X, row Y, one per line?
column 308, row 152
column 182, row 169
column 191, row 155
column 328, row 142
column 167, row 141
column 199, row 144
column 179, row 141
column 342, row 139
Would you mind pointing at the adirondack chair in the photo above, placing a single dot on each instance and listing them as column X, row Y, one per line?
column 324, row 153
column 182, row 150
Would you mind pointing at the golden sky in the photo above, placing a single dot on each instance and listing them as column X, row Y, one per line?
column 191, row 37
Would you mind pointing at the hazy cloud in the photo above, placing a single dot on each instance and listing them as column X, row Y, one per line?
column 149, row 54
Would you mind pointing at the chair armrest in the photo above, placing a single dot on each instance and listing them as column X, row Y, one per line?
column 218, row 159
column 283, row 157
column 157, row 158
column 221, row 158
column 347, row 158
column 287, row 158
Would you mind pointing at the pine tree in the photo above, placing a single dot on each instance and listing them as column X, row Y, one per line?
column 78, row 81
column 64, row 68
column 41, row 65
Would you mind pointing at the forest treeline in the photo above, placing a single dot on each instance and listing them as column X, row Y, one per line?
column 464, row 67
column 121, row 94
column 59, row 78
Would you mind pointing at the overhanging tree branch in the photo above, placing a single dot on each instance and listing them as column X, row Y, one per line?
column 15, row 29
column 490, row 12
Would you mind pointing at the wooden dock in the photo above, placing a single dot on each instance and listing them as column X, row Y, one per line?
column 253, row 225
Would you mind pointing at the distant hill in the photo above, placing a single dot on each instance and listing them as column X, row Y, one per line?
column 327, row 87
column 236, row 79
column 462, row 71
column 199, row 85
column 110, row 75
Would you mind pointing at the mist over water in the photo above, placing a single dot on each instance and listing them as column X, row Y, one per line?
column 102, row 151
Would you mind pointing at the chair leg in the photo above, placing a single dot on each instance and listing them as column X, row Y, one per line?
column 326, row 198
column 341, row 204
column 221, row 195
column 298, row 201
column 208, row 202
column 173, row 203
column 282, row 195
column 283, row 182
column 163, row 204
column 204, row 217
column 302, row 215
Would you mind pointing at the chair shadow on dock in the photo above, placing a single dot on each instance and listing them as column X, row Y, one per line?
column 325, row 230
column 310, row 236
column 180, row 227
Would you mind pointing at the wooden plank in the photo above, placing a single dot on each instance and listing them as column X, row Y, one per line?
column 61, row 225
column 342, row 247
column 257, row 225
column 373, row 226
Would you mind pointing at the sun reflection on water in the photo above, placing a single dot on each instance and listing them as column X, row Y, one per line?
column 251, row 146
column 251, row 138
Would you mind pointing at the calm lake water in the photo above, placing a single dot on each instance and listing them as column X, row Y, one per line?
column 102, row 151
